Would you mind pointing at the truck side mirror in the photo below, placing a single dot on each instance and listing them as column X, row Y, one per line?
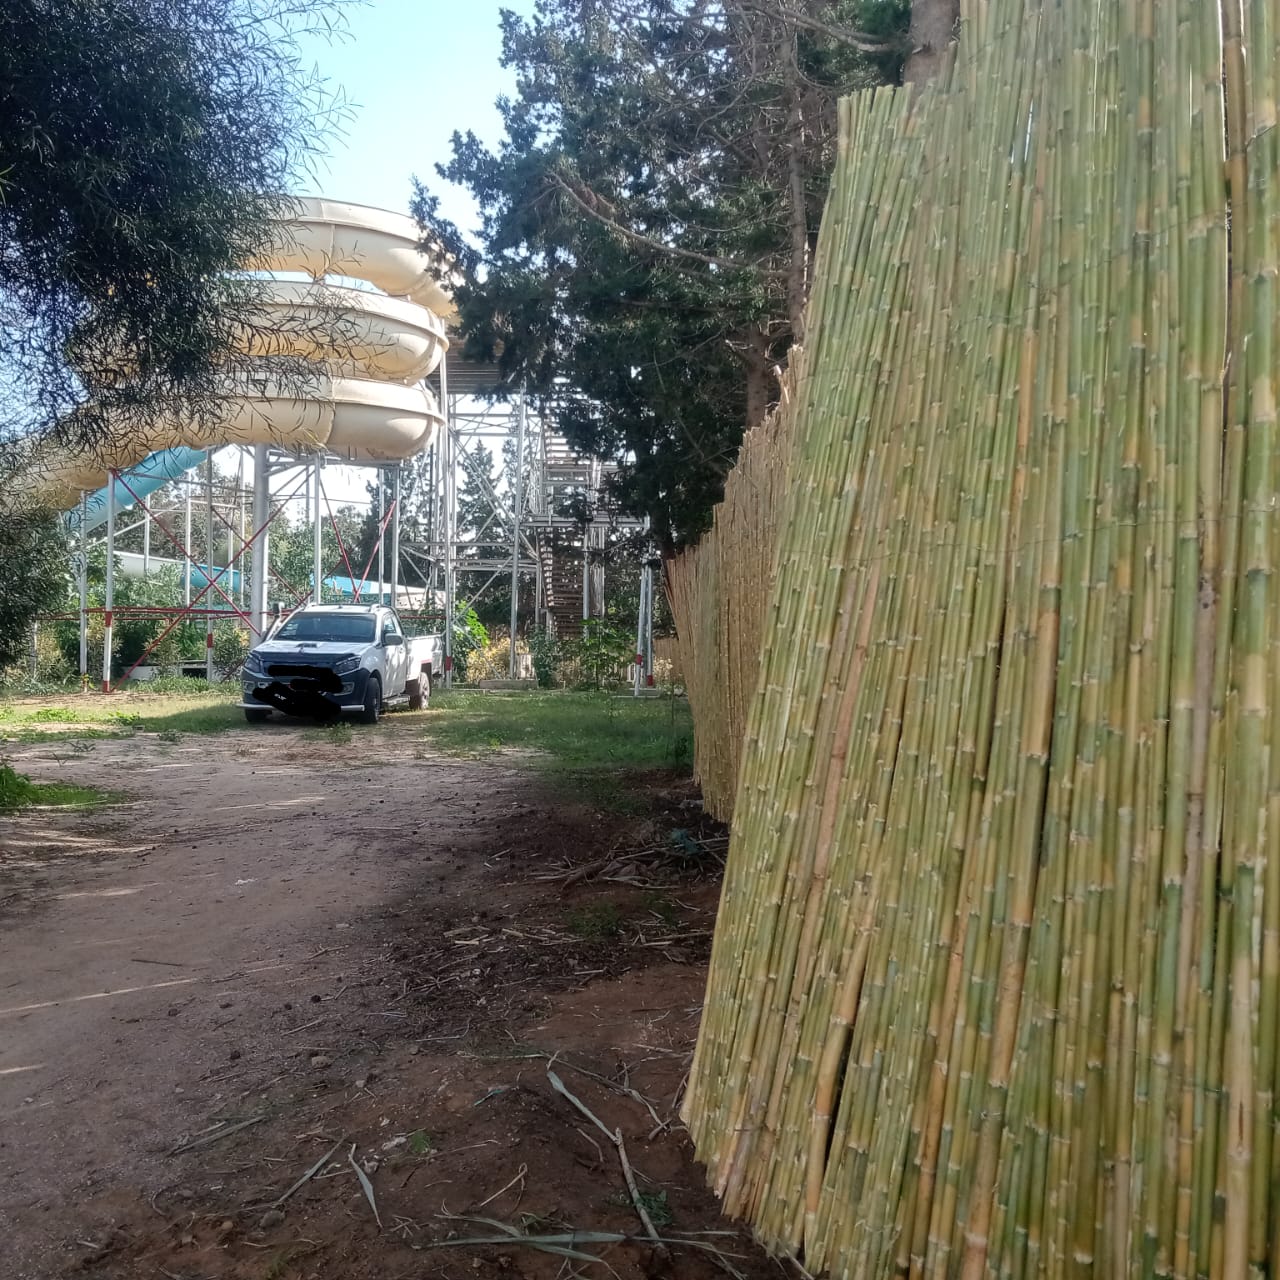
column 390, row 642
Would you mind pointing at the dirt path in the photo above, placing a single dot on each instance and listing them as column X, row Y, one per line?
column 280, row 948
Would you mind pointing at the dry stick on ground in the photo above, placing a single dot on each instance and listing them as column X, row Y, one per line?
column 210, row 1138
column 616, row 1138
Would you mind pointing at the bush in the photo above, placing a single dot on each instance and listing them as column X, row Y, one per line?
column 469, row 636
column 16, row 789
column 601, row 653
column 493, row 662
column 545, row 650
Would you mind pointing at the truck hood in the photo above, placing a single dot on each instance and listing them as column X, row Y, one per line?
column 277, row 649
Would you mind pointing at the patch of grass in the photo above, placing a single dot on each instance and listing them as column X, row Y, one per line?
column 17, row 791
column 660, row 905
column 121, row 714
column 173, row 684
column 419, row 1143
column 337, row 734
column 574, row 732
column 655, row 1204
column 595, row 921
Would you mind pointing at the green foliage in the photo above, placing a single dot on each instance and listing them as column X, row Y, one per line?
column 469, row 636
column 595, row 921
column 230, row 644
column 649, row 220
column 34, row 576
column 17, row 791
column 544, row 648
column 143, row 147
column 600, row 651
column 585, row 734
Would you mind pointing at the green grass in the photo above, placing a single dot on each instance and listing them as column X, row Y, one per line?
column 17, row 791
column 572, row 732
column 95, row 716
column 595, row 921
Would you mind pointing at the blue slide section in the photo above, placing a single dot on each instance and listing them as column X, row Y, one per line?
column 144, row 479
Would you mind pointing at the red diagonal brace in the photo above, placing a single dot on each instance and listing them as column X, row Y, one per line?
column 382, row 533
column 211, row 582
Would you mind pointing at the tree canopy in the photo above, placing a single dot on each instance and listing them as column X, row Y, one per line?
column 650, row 216
column 144, row 145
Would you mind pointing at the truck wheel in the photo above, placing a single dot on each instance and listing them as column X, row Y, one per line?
column 372, row 701
column 419, row 692
column 255, row 716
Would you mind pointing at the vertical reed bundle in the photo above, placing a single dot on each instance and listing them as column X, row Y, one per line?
column 996, row 979
column 719, row 590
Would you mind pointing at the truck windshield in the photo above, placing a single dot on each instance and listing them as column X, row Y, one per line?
column 336, row 627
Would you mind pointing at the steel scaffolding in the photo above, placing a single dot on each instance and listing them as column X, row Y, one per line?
column 550, row 517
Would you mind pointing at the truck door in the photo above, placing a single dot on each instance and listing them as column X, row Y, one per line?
column 397, row 655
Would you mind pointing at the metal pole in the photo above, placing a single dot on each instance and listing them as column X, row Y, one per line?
column 395, row 540
column 648, row 622
column 110, row 601
column 83, row 586
column 317, row 535
column 208, row 562
column 446, row 475
column 186, row 544
column 639, row 663
column 382, row 515
column 262, row 547
column 231, row 549
column 146, row 544
column 517, row 497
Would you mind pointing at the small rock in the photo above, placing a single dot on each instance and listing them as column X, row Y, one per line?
column 235, row 1053
column 272, row 1218
column 226, row 1004
column 415, row 1049
column 315, row 999
column 173, row 1013
column 287, row 1005
column 227, row 1226
column 321, row 1060
column 361, row 1083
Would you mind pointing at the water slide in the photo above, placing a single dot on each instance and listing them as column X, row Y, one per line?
column 376, row 345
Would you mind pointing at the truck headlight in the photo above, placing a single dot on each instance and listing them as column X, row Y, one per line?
column 253, row 664
column 345, row 666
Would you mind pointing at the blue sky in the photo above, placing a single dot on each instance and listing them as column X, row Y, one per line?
column 416, row 70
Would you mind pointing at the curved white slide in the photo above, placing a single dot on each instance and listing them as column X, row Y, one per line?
column 334, row 238
column 372, row 346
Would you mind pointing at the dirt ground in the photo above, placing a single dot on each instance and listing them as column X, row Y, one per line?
column 280, row 956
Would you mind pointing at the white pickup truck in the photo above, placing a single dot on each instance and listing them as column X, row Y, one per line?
column 326, row 661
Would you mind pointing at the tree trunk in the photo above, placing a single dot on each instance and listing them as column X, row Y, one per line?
column 933, row 28
column 759, row 389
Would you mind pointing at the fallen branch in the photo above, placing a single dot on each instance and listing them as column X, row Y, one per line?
column 616, row 1138
column 366, row 1184
column 310, row 1173
column 210, row 1138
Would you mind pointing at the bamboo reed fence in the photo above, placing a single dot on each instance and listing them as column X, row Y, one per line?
column 719, row 592
column 995, row 987
column 667, row 660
